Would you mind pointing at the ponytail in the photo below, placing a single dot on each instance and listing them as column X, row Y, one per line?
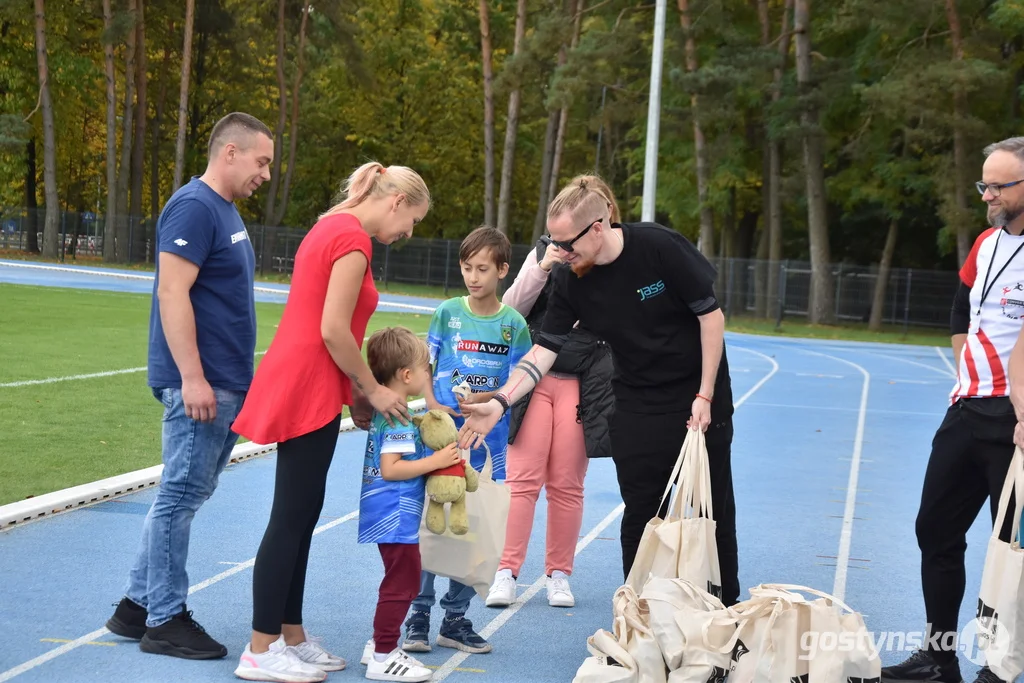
column 374, row 179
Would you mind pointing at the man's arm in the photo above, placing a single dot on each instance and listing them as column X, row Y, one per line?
column 712, row 341
column 177, row 275
column 960, row 320
column 527, row 373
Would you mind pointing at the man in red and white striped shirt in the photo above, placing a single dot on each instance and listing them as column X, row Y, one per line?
column 973, row 446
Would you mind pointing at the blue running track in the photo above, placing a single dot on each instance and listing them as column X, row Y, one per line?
column 814, row 418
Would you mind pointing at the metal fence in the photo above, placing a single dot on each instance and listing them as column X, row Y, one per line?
column 748, row 287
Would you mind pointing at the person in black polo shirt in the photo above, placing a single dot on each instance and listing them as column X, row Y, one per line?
column 649, row 293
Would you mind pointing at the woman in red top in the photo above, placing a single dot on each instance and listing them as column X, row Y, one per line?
column 297, row 395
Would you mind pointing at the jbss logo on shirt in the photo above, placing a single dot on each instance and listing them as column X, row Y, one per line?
column 651, row 290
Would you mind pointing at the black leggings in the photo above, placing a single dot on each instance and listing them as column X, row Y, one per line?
column 279, row 575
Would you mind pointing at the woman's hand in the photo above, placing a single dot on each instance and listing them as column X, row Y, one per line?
column 480, row 420
column 552, row 255
column 390, row 405
column 361, row 410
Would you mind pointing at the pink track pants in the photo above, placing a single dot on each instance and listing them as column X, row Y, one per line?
column 549, row 451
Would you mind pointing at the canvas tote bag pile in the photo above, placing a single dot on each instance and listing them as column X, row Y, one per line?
column 471, row 559
column 671, row 604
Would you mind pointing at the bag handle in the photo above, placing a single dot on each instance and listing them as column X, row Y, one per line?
column 674, row 476
column 792, row 590
column 488, row 469
column 1013, row 480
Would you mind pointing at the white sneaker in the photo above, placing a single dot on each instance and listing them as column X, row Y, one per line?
column 559, row 594
column 503, row 590
column 367, row 652
column 397, row 667
column 311, row 651
column 279, row 664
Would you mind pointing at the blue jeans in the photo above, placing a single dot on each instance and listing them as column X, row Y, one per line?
column 194, row 455
column 455, row 602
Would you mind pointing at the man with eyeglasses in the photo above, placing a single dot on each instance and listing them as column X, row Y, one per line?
column 973, row 446
column 649, row 293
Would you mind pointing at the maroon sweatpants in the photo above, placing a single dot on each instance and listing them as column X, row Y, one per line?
column 400, row 586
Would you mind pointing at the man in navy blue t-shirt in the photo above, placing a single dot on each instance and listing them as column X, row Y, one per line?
column 201, row 344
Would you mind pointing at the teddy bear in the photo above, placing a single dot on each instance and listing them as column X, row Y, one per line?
column 448, row 485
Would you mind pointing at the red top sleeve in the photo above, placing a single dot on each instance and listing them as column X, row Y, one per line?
column 969, row 271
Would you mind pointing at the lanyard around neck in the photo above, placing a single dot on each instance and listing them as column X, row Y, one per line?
column 985, row 286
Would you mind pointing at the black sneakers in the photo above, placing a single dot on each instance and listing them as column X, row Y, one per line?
column 129, row 620
column 182, row 637
column 922, row 666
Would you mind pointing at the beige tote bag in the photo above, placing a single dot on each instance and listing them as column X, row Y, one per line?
column 471, row 559
column 683, row 545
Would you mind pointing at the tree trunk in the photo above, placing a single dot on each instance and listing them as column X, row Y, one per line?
column 109, row 221
column 293, row 131
column 282, row 117
column 820, row 308
column 707, row 225
column 884, row 268
column 961, row 212
column 154, row 168
column 50, row 233
column 576, row 12
column 541, row 221
column 508, row 155
column 139, row 148
column 124, row 168
column 485, row 56
column 186, row 70
column 775, row 164
column 30, row 228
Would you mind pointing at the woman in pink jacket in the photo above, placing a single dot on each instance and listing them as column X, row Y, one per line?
column 553, row 432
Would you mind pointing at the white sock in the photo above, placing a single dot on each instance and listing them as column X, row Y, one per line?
column 379, row 657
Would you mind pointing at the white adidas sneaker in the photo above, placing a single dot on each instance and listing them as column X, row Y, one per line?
column 559, row 594
column 367, row 652
column 503, row 590
column 397, row 667
column 279, row 664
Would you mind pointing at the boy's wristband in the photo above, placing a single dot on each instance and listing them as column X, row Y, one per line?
column 503, row 400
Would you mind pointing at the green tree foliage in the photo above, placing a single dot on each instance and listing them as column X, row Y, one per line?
column 400, row 81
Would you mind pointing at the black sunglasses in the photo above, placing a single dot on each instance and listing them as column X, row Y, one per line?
column 567, row 246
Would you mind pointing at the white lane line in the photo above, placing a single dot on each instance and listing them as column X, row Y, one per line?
column 775, row 369
column 846, row 535
column 99, row 633
column 108, row 373
column 282, row 290
column 945, row 360
column 497, row 622
column 69, row 378
column 492, row 626
column 818, row 374
column 906, row 361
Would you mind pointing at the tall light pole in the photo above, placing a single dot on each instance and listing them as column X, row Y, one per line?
column 654, row 115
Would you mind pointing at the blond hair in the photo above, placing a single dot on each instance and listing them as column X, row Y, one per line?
column 391, row 349
column 373, row 179
column 583, row 196
column 597, row 183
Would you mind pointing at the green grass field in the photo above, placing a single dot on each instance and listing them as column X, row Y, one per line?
column 71, row 432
